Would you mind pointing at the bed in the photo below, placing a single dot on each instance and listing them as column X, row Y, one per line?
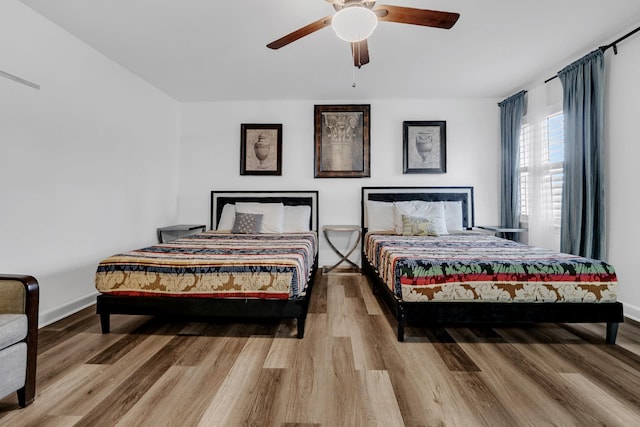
column 468, row 277
column 258, row 261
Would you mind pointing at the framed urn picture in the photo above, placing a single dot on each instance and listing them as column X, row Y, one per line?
column 342, row 141
column 424, row 147
column 261, row 149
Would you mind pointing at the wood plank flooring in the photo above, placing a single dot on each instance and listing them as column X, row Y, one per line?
column 349, row 370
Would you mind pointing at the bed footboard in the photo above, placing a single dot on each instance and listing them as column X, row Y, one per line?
column 208, row 308
column 105, row 324
column 452, row 313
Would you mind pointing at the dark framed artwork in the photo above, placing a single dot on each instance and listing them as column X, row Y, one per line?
column 261, row 149
column 424, row 147
column 342, row 141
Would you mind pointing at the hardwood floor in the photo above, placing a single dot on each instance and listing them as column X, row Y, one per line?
column 349, row 370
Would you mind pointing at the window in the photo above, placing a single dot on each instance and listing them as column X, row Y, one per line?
column 525, row 143
column 541, row 166
column 554, row 157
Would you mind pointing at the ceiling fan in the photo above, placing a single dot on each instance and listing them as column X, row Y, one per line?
column 355, row 20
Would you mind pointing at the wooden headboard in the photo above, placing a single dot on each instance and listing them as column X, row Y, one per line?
column 290, row 198
column 430, row 194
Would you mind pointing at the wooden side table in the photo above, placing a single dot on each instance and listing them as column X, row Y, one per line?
column 167, row 234
column 344, row 256
column 504, row 232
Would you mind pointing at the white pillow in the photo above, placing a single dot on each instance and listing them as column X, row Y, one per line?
column 272, row 214
column 380, row 216
column 453, row 215
column 227, row 217
column 433, row 211
column 296, row 218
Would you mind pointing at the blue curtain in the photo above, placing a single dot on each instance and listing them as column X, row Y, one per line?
column 511, row 112
column 583, row 202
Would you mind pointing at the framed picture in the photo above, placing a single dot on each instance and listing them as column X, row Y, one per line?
column 424, row 147
column 342, row 141
column 261, row 149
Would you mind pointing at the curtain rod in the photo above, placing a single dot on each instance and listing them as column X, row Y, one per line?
column 613, row 44
column 524, row 92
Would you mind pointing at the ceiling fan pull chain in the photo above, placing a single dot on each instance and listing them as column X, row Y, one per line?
column 354, row 77
column 353, row 71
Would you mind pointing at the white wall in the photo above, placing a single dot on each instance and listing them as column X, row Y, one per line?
column 210, row 154
column 88, row 162
column 623, row 152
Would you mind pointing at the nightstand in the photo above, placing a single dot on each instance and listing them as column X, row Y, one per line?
column 167, row 234
column 328, row 230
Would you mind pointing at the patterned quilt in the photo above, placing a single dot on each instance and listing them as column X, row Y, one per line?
column 214, row 265
column 485, row 268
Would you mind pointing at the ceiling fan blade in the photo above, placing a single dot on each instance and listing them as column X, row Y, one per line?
column 360, row 53
column 409, row 15
column 300, row 32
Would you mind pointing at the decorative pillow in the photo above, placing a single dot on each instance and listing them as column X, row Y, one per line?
column 227, row 217
column 246, row 223
column 272, row 214
column 380, row 216
column 296, row 218
column 433, row 211
column 416, row 226
column 453, row 215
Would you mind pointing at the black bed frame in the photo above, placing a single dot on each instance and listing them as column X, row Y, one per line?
column 451, row 313
column 216, row 307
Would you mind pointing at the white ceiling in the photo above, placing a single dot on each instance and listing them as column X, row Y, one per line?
column 208, row 50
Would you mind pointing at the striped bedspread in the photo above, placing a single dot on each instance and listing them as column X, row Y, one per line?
column 214, row 265
column 485, row 268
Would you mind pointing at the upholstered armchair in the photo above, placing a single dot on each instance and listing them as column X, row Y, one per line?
column 19, row 296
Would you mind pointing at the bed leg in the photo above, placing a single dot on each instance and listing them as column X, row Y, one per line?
column 300, row 326
column 612, row 332
column 401, row 321
column 104, row 323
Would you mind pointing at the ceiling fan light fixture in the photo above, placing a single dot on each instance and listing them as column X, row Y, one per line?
column 354, row 23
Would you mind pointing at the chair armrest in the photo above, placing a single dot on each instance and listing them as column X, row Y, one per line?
column 18, row 294
column 21, row 294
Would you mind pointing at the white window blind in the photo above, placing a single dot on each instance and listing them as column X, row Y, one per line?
column 555, row 160
column 525, row 141
column 550, row 165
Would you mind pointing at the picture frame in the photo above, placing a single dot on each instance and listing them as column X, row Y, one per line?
column 424, row 146
column 342, row 141
column 260, row 149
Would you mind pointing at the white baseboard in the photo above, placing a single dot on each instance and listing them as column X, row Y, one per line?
column 631, row 312
column 66, row 310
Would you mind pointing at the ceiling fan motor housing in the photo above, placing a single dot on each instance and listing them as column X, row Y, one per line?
column 354, row 23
